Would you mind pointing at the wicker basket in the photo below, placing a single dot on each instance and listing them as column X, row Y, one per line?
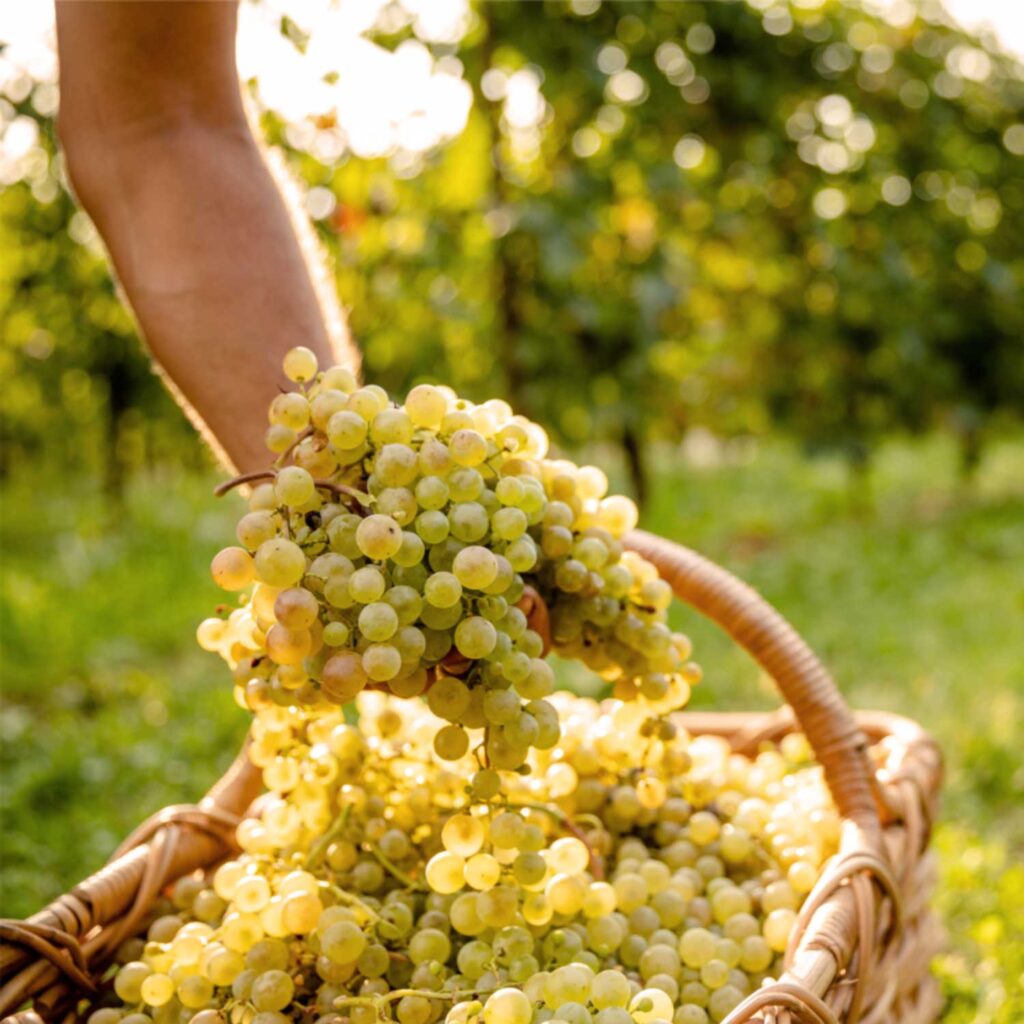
column 864, row 937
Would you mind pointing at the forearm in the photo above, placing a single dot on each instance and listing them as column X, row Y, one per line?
column 205, row 250
column 207, row 257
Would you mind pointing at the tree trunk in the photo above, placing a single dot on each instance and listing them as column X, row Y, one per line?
column 632, row 444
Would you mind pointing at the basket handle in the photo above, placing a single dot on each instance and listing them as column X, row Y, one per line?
column 802, row 679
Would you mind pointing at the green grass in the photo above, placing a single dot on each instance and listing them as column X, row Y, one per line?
column 913, row 596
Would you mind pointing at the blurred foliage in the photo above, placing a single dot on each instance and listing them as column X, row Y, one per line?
column 110, row 713
column 745, row 215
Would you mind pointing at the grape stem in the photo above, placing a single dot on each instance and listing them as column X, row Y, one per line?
column 407, row 880
column 570, row 826
column 245, row 478
column 354, row 901
column 316, row 854
column 379, row 1002
column 284, row 456
column 269, row 474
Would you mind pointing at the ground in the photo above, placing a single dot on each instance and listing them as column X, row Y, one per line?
column 908, row 583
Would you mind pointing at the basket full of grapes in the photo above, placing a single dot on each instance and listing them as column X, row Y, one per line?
column 422, row 828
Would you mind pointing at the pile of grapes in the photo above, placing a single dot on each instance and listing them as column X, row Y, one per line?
column 494, row 851
column 627, row 879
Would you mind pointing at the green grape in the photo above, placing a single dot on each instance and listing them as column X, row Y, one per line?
column 399, row 503
column 300, row 364
column 609, row 988
column 410, row 552
column 508, row 1006
column 414, row 576
column 438, row 642
column 467, row 447
column 373, row 961
column 503, row 580
column 501, row 707
column 444, row 874
column 529, row 869
column 448, row 698
column 279, row 562
column 391, row 426
column 468, row 521
column 521, row 732
column 396, row 465
column 475, row 567
column 441, row 619
column 538, row 680
column 343, row 942
column 378, row 537
column 723, row 1002
column 432, row 527
column 410, row 643
column 451, row 742
column 272, row 990
column 434, row 458
column 381, row 662
column 486, row 784
column 341, row 535
column 475, row 637
column 254, row 528
column 431, row 493
column 464, row 917
column 429, row 944
column 531, row 644
column 509, row 523
column 508, row 829
column 367, row 584
column 465, row 485
column 293, row 485
column 522, row 554
column 494, row 609
column 442, row 556
column 406, row 602
column 129, row 979
column 347, row 429
column 510, row 490
column 426, row 406
column 336, row 634
column 378, row 621
column 443, row 590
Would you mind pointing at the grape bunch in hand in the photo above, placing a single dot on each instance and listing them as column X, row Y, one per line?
column 415, row 547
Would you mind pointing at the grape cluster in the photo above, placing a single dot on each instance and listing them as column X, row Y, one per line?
column 393, row 547
column 630, row 878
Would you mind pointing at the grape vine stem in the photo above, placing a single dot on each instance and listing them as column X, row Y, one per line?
column 245, row 478
column 354, row 901
column 316, row 854
column 407, row 880
column 377, row 1002
column 570, row 826
column 269, row 474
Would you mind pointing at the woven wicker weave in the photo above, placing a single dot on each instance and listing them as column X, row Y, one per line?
column 864, row 937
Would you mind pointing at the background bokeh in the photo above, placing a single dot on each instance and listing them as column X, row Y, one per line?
column 762, row 259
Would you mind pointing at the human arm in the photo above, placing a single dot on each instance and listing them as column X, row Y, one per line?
column 161, row 156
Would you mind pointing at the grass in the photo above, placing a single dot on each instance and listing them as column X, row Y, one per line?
column 912, row 595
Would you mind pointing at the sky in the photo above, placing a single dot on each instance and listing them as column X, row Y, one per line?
column 1004, row 17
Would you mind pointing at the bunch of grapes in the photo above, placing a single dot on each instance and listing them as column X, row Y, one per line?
column 402, row 547
column 495, row 853
column 630, row 878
